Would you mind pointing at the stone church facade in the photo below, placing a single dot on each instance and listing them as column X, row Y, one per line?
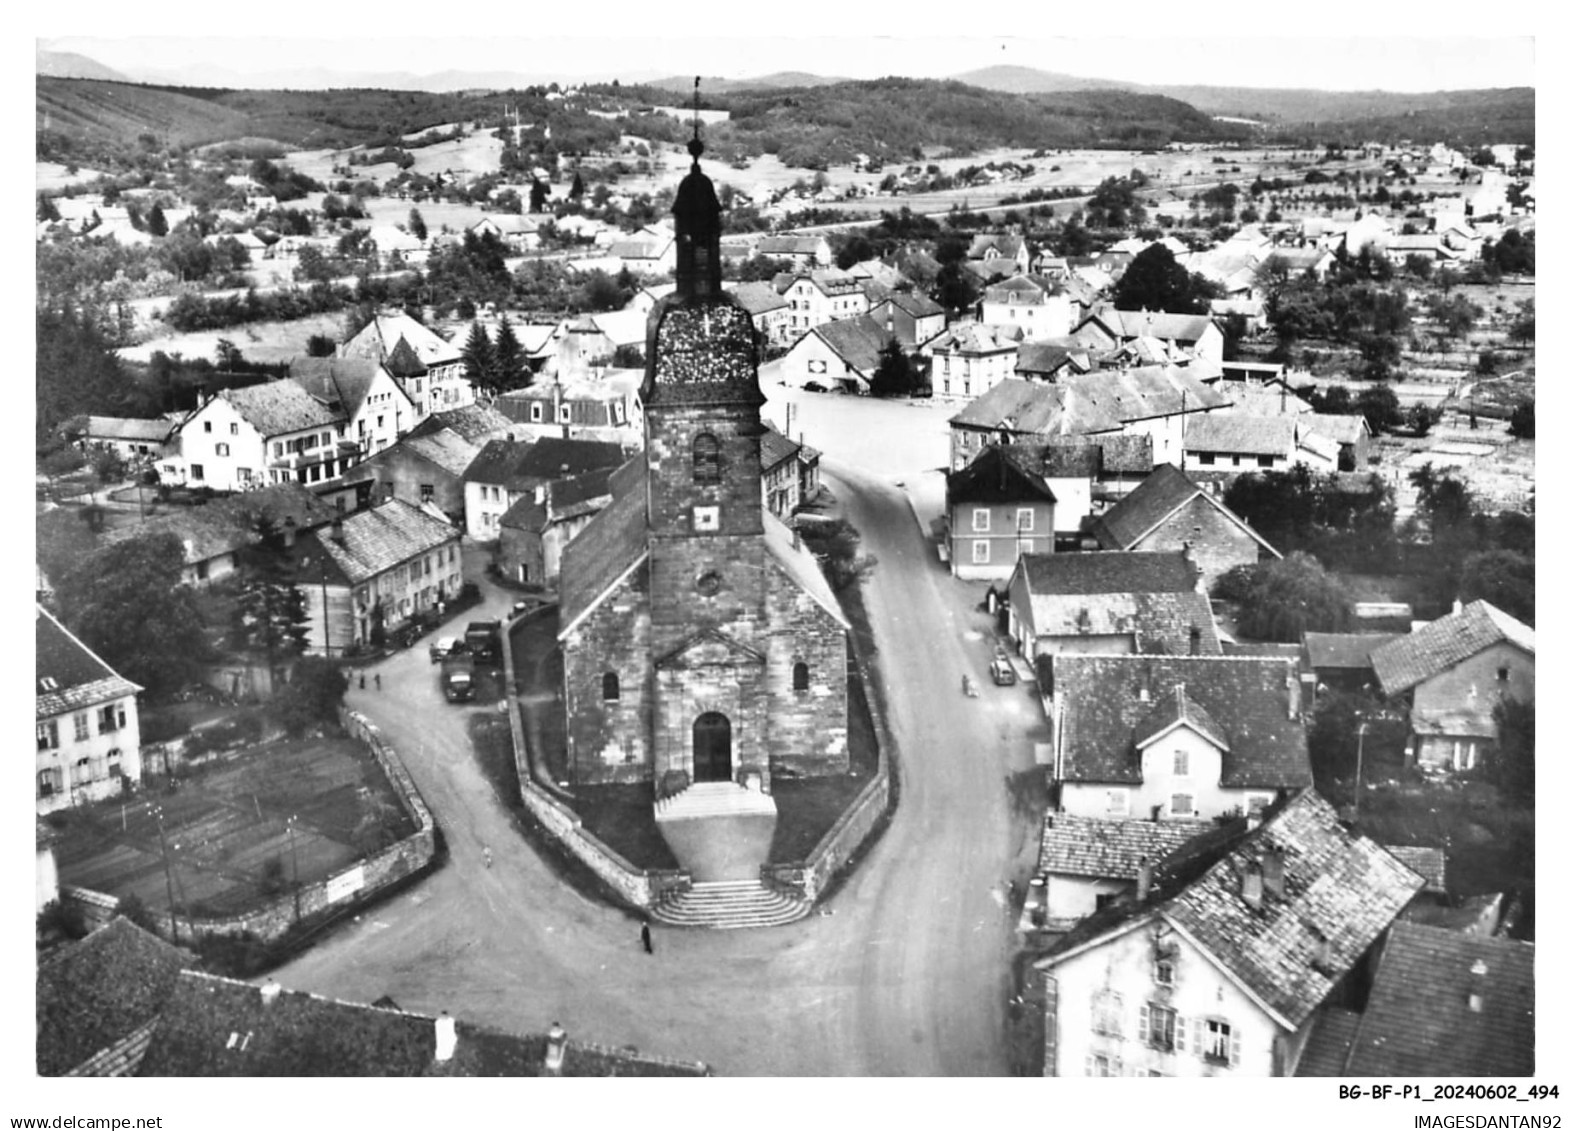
column 700, row 641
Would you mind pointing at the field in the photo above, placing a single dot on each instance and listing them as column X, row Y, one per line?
column 226, row 828
column 269, row 342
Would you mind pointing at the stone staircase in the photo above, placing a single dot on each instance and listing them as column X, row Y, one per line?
column 730, row 904
column 714, row 799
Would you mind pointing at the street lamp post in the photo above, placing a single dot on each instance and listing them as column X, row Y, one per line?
column 294, row 865
column 1358, row 771
column 169, row 882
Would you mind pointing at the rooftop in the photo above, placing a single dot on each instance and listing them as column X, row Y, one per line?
column 275, row 408
column 67, row 676
column 1107, row 848
column 1237, row 433
column 368, row 543
column 1348, row 650
column 518, row 464
column 1151, row 503
column 1111, row 704
column 1001, row 473
column 1409, row 660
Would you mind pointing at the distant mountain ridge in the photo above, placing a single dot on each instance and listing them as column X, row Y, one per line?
column 69, row 65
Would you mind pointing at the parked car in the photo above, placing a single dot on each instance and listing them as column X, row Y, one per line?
column 445, row 646
column 1002, row 671
column 814, row 387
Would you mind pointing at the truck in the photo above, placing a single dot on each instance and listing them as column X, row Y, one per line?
column 458, row 679
column 483, row 641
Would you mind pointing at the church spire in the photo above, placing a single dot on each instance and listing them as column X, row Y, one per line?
column 697, row 212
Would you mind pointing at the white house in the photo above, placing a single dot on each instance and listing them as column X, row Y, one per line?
column 275, row 432
column 969, row 359
column 1035, row 306
column 375, row 407
column 442, row 386
column 89, row 740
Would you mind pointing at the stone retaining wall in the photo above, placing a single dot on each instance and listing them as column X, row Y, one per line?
column 354, row 884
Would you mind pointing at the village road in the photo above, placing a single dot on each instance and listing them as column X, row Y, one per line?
column 903, row 973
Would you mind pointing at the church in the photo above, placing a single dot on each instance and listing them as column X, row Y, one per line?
column 700, row 641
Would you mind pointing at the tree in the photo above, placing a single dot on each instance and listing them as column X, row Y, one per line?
column 1284, row 599
column 480, row 359
column 1380, row 409
column 539, row 193
column 1420, row 419
column 417, row 226
column 157, row 225
column 1155, row 280
column 77, row 374
column 1381, row 353
column 321, row 345
column 576, row 193
column 46, row 209
column 1504, row 578
column 227, row 357
column 1333, row 400
column 1524, row 329
column 1511, row 763
column 1523, row 425
column 895, row 376
column 270, row 611
column 128, row 603
column 312, row 696
column 508, row 358
column 1114, row 205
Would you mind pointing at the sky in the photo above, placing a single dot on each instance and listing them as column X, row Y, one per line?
column 1383, row 61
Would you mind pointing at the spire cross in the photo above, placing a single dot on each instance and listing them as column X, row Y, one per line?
column 696, row 146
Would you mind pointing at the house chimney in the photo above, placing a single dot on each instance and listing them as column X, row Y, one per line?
column 1253, row 886
column 1475, row 988
column 1323, row 954
column 1272, row 867
column 271, row 991
column 338, row 529
column 1256, row 815
column 1143, row 880
column 1194, row 640
column 446, row 1038
column 1456, row 606
column 555, row 1049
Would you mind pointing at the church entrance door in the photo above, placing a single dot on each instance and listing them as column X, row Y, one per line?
column 712, row 747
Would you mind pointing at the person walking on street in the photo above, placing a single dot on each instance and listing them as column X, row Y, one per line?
column 648, row 939
column 362, row 681
column 486, row 849
column 379, row 681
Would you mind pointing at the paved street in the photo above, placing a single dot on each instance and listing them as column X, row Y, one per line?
column 906, row 971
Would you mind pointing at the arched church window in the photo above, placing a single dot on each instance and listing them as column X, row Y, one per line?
column 706, row 458
column 610, row 687
column 799, row 676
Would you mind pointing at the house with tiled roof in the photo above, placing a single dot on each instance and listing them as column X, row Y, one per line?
column 1443, row 1003
column 1226, row 960
column 770, row 309
column 520, row 231
column 1168, row 511
column 215, row 1026
column 1110, row 603
column 97, row 1001
column 994, row 253
column 1192, row 736
column 790, row 471
column 535, row 529
column 444, row 385
column 130, row 439
column 1196, row 334
column 1340, row 660
column 504, row 471
column 1160, row 402
column 816, row 297
column 425, row 468
column 1452, row 672
column 1084, row 862
column 212, row 535
column 375, row 407
column 799, row 251
column 1037, row 306
column 1349, row 432
column 969, row 358
column 914, row 319
column 274, row 432
column 602, row 405
column 1044, row 361
column 841, row 355
column 1224, row 444
column 373, row 571
column 998, row 508
column 89, row 740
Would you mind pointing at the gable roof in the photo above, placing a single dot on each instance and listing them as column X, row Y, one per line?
column 403, row 362
column 975, row 337
column 914, row 304
column 1174, row 709
column 1155, row 324
column 616, row 540
column 758, row 297
column 1419, row 1020
column 1344, row 429
column 214, row 1026
column 475, row 423
column 801, row 567
column 775, row 449
column 67, row 675
column 1099, row 401
column 857, row 341
column 1339, row 892
column 1241, row 434
column 1119, row 454
column 518, row 464
column 274, row 408
column 93, row 994
column 1426, row 861
column 1156, row 499
column 444, row 448
column 1108, row 571
column 378, row 337
column 1409, row 660
column 340, row 383
column 1103, row 715
column 1001, row 473
column 371, row 542
column 572, row 497
column 1049, row 357
column 1108, row 848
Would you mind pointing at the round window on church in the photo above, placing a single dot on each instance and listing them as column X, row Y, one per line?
column 708, row 583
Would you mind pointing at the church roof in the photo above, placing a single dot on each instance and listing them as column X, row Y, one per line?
column 801, row 567
column 615, row 541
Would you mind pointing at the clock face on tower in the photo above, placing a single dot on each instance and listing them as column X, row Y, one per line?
column 706, row 518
